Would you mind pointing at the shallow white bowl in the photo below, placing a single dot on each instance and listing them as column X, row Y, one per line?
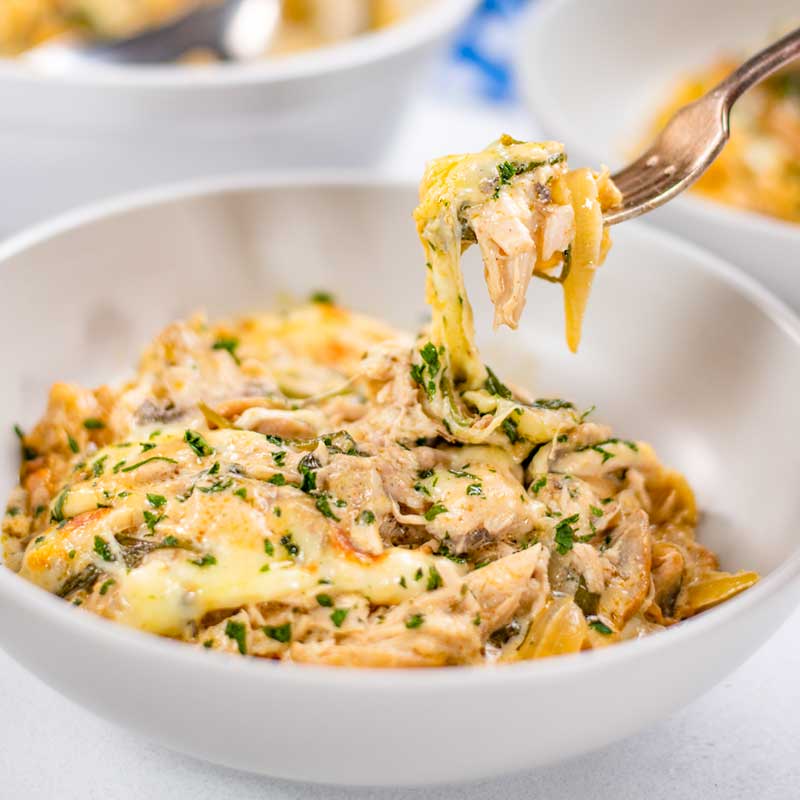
column 74, row 138
column 679, row 349
column 598, row 89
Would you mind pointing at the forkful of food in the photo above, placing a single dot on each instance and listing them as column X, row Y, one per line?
column 532, row 216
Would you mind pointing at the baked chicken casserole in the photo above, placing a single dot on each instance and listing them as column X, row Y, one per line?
column 314, row 486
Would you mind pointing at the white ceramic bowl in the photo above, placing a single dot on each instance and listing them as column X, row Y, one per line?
column 71, row 139
column 598, row 89
column 679, row 349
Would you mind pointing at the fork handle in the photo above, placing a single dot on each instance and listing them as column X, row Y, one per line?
column 758, row 67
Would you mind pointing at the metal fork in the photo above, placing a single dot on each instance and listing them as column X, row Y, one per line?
column 693, row 137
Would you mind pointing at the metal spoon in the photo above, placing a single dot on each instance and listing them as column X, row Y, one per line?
column 694, row 137
column 233, row 30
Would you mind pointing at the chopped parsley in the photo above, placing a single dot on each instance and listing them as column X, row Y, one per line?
column 434, row 511
column 241, row 492
column 475, row 489
column 73, row 445
column 269, row 548
column 98, row 467
column 107, row 585
column 324, row 507
column 102, row 548
column 57, row 514
column 495, row 386
column 418, row 574
column 430, row 355
column 597, row 512
column 219, row 485
column 323, row 298
column 366, row 517
column 599, row 447
column 565, row 534
column 415, row 621
column 338, row 616
column 278, row 479
column 279, row 458
column 156, row 500
column 237, row 631
column 434, row 579
column 538, row 484
column 200, row 446
column 325, row 600
column 307, row 469
column 12, row 511
column 280, row 633
column 552, row 404
column 206, row 560
column 151, row 520
column 170, row 541
column 229, row 343
column 600, row 627
column 93, row 424
column 119, row 467
column 28, row 453
column 292, row 548
column 510, row 427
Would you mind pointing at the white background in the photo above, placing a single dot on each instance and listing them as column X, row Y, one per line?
column 742, row 740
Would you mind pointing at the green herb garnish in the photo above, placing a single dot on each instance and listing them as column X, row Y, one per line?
column 206, row 560
column 229, row 343
column 600, row 627
column 142, row 463
column 103, row 549
column 495, row 386
column 338, row 616
column 280, row 633
column 565, row 534
column 237, row 631
column 434, row 511
column 200, row 446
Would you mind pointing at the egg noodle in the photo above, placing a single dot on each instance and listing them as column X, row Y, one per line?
column 314, row 486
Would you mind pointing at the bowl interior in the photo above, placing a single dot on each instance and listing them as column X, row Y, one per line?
column 679, row 350
column 626, row 55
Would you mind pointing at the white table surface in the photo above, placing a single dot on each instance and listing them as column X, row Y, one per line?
column 741, row 740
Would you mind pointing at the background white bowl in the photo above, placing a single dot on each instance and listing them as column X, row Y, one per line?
column 679, row 349
column 594, row 74
column 70, row 139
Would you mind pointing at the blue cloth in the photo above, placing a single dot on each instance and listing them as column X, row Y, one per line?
column 480, row 51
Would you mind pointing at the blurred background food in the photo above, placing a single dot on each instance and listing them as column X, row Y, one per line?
column 304, row 24
column 759, row 169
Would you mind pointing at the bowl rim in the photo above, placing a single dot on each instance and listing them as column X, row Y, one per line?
column 37, row 602
column 553, row 121
column 420, row 27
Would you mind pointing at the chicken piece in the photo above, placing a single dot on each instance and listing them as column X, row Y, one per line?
column 480, row 491
column 630, row 560
column 506, row 228
column 509, row 586
column 356, row 481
